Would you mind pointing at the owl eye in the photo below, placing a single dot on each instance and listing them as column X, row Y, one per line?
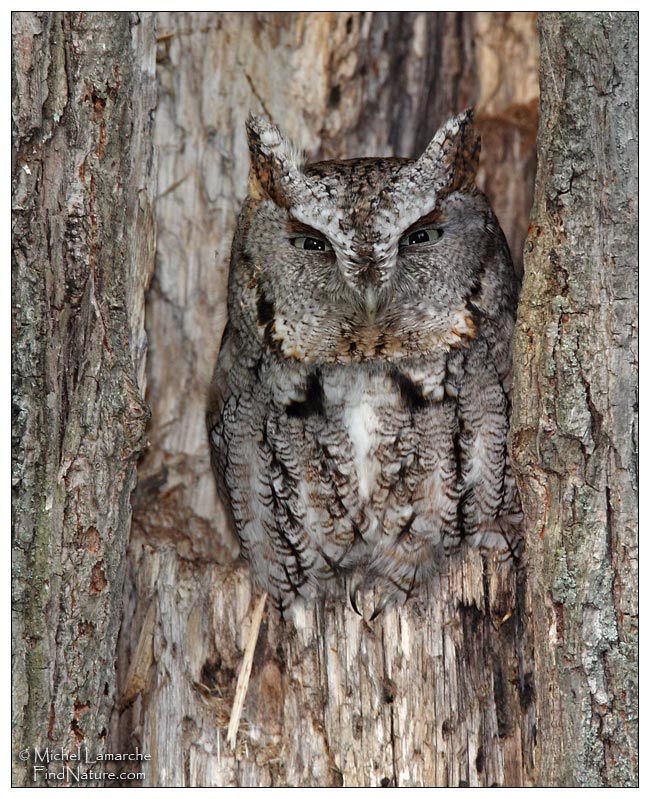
column 426, row 235
column 311, row 243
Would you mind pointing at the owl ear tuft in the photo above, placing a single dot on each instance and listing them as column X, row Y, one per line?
column 276, row 163
column 452, row 157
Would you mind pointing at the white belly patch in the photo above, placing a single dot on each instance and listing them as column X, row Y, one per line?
column 362, row 427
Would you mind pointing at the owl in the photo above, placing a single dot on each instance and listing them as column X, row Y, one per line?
column 359, row 407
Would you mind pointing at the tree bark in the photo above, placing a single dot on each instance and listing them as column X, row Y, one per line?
column 575, row 400
column 436, row 693
column 491, row 676
column 83, row 242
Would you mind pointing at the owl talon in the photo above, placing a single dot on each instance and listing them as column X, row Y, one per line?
column 354, row 594
column 379, row 608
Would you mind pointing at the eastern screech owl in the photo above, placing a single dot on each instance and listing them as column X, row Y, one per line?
column 359, row 407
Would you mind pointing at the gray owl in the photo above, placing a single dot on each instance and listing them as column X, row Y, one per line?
column 359, row 407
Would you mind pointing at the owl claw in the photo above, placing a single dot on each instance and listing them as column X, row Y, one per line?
column 355, row 584
column 379, row 607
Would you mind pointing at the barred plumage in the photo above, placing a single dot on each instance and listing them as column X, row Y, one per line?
column 358, row 413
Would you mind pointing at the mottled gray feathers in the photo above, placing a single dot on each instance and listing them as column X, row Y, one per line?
column 359, row 409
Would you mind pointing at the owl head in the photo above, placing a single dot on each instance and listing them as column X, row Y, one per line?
column 365, row 259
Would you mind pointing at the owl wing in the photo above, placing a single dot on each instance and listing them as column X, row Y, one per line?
column 285, row 474
column 489, row 503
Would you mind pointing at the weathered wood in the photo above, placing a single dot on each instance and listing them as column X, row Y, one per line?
column 445, row 690
column 431, row 694
column 439, row 692
column 83, row 91
column 575, row 400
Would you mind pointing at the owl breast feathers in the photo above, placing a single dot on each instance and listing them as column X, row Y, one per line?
column 359, row 407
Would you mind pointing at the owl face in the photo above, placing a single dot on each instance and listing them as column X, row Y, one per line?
column 346, row 261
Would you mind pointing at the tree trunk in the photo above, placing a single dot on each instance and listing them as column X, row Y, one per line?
column 491, row 676
column 438, row 692
column 83, row 242
column 575, row 400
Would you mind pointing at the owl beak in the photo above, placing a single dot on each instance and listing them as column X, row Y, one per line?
column 370, row 297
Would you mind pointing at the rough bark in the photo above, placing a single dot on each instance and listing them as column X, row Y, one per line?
column 83, row 242
column 444, row 691
column 438, row 692
column 575, row 415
